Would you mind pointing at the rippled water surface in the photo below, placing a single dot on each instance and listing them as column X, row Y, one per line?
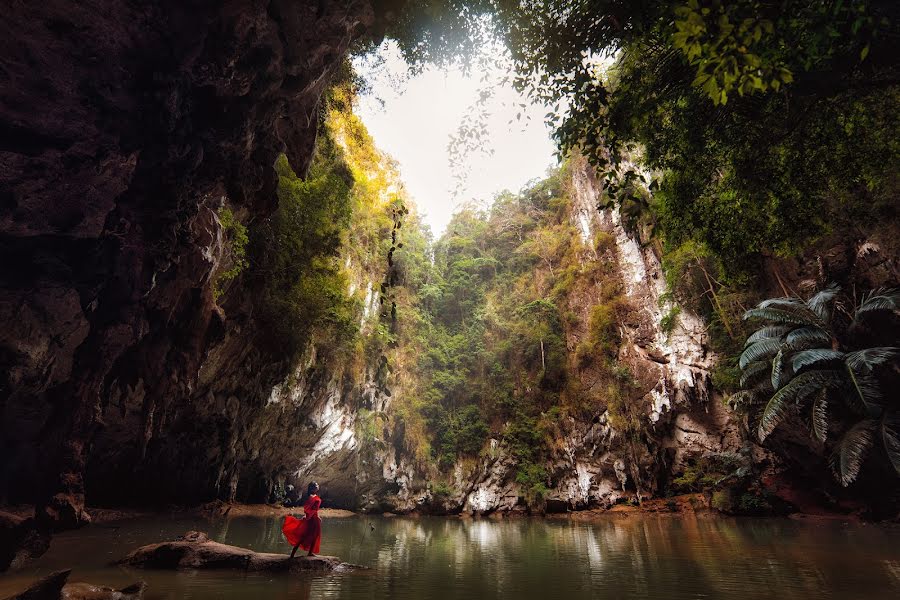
column 618, row 557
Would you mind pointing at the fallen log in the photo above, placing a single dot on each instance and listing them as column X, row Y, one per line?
column 195, row 550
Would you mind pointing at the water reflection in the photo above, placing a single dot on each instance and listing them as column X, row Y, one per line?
column 633, row 557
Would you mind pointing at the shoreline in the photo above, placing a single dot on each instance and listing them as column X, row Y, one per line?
column 678, row 506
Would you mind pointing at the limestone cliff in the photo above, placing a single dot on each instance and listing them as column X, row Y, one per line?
column 593, row 463
column 126, row 127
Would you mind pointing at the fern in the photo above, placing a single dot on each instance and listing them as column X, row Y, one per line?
column 851, row 451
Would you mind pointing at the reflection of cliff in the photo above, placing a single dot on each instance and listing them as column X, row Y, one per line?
column 617, row 557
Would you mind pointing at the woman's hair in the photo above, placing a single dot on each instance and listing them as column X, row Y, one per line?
column 310, row 490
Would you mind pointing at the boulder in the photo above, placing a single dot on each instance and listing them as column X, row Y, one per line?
column 54, row 587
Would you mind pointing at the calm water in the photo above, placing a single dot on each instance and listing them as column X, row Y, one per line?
column 634, row 557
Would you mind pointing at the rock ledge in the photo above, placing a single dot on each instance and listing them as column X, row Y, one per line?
column 194, row 550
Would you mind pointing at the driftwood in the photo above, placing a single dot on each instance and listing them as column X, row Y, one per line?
column 54, row 587
column 195, row 550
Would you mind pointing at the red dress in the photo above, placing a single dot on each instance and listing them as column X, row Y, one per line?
column 307, row 532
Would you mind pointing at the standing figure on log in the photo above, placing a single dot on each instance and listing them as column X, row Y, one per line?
column 305, row 533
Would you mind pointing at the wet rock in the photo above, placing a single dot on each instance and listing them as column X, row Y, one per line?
column 195, row 550
column 55, row 587
column 21, row 539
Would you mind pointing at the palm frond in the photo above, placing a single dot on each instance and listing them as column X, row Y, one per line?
column 798, row 389
column 782, row 370
column 866, row 397
column 780, row 375
column 770, row 331
column 806, row 358
column 851, row 451
column 744, row 400
column 809, row 335
column 753, row 371
column 862, row 361
column 785, row 310
column 758, row 351
column 820, row 415
column 890, row 436
column 821, row 302
column 798, row 314
column 880, row 299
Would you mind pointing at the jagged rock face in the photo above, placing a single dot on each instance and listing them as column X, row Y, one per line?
column 592, row 464
column 125, row 127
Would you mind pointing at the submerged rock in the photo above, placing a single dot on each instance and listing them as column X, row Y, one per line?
column 54, row 586
column 194, row 550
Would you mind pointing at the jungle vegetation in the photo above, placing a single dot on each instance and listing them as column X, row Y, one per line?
column 730, row 135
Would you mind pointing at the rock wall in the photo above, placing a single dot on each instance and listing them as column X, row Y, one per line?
column 125, row 127
column 593, row 464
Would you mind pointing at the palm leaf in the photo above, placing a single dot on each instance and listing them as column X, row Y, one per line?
column 753, row 371
column 798, row 389
column 744, row 399
column 862, row 361
column 798, row 314
column 758, row 351
column 820, row 416
column 821, row 302
column 866, row 397
column 779, row 375
column 806, row 358
column 890, row 436
column 782, row 371
column 809, row 335
column 880, row 299
column 851, row 451
column 770, row 331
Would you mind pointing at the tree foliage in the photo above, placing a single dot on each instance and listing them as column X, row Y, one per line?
column 762, row 123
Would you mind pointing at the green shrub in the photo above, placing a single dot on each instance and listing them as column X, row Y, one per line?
column 236, row 243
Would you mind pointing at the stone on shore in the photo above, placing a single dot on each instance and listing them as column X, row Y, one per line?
column 54, row 587
column 195, row 550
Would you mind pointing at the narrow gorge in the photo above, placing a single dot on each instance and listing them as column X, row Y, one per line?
column 215, row 284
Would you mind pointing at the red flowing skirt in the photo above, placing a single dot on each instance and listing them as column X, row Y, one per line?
column 306, row 533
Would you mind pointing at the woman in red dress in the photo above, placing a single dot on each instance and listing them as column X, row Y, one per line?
column 305, row 533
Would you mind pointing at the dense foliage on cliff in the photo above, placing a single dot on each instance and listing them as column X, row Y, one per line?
column 730, row 134
column 761, row 125
column 328, row 239
column 763, row 122
column 512, row 329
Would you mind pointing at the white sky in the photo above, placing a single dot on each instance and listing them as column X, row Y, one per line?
column 413, row 119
